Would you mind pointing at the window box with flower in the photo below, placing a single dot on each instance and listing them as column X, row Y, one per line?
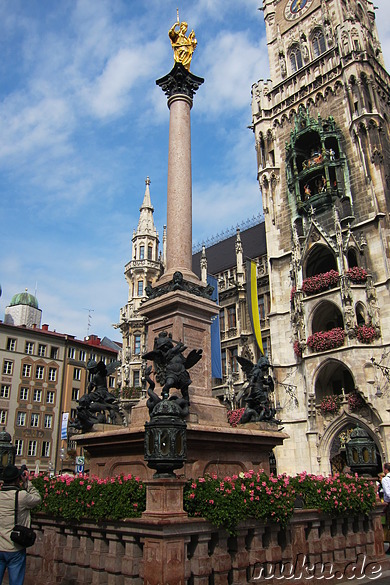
column 320, row 282
column 366, row 333
column 330, row 404
column 357, row 275
column 324, row 340
column 355, row 402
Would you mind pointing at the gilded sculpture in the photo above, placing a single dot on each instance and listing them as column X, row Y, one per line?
column 183, row 46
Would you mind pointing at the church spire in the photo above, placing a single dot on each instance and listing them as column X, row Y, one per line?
column 146, row 222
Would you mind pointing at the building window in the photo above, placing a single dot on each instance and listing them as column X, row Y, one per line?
column 29, row 349
column 32, row 448
column 318, row 41
column 54, row 353
column 233, row 360
column 50, row 397
column 37, row 396
column 140, row 288
column 296, row 59
column 5, row 391
column 222, row 320
column 137, row 344
column 261, row 307
column 46, row 449
column 111, row 381
column 150, row 252
column 141, row 252
column 223, row 360
column 23, row 394
column 41, row 350
column 82, row 355
column 11, row 344
column 48, row 421
column 75, row 393
column 93, row 357
column 52, row 374
column 3, row 417
column 21, row 419
column 34, row 419
column 26, row 370
column 136, row 379
column 8, row 367
column 71, row 353
column 40, row 372
column 76, row 374
column 19, row 447
column 73, row 413
column 231, row 314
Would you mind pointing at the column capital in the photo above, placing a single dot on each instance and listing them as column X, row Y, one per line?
column 179, row 81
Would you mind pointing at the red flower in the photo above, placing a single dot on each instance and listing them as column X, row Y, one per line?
column 357, row 275
column 323, row 340
column 366, row 333
column 320, row 282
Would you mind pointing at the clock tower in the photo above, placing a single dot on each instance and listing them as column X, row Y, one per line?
column 323, row 163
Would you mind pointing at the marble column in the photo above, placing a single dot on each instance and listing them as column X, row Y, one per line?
column 179, row 86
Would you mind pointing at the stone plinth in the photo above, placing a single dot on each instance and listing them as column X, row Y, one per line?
column 187, row 318
column 211, row 448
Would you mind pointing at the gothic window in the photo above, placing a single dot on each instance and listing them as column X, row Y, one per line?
column 140, row 288
column 318, row 42
column 355, row 40
column 360, row 314
column 320, row 260
column 327, row 316
column 352, row 258
column 137, row 344
column 150, row 252
column 295, row 58
column 345, row 43
column 141, row 252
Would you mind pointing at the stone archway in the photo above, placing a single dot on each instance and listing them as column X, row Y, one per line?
column 331, row 448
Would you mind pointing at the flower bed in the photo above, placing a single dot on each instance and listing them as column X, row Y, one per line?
column 234, row 416
column 320, row 282
column 323, row 340
column 223, row 502
column 73, row 498
column 357, row 275
column 366, row 333
column 330, row 403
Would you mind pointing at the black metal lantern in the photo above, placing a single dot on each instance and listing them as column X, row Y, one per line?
column 361, row 452
column 7, row 451
column 165, row 439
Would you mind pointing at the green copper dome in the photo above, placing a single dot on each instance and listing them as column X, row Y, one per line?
column 24, row 298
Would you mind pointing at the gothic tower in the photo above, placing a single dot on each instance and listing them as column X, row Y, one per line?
column 323, row 152
column 142, row 271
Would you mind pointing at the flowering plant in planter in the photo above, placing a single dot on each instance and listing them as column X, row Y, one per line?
column 222, row 501
column 330, row 404
column 298, row 348
column 320, row 282
column 323, row 340
column 357, row 275
column 234, row 416
column 355, row 401
column 366, row 333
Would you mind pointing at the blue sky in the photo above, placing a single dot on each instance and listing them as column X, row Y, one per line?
column 82, row 124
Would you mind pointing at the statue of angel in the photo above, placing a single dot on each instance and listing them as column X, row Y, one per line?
column 261, row 385
column 171, row 365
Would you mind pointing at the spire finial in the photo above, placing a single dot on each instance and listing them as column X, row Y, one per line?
column 147, row 181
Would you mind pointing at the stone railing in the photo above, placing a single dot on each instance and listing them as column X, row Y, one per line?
column 162, row 548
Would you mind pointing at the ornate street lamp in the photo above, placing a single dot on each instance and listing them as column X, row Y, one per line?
column 165, row 439
column 7, row 451
column 361, row 452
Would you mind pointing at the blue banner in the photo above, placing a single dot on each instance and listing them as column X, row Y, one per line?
column 216, row 364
